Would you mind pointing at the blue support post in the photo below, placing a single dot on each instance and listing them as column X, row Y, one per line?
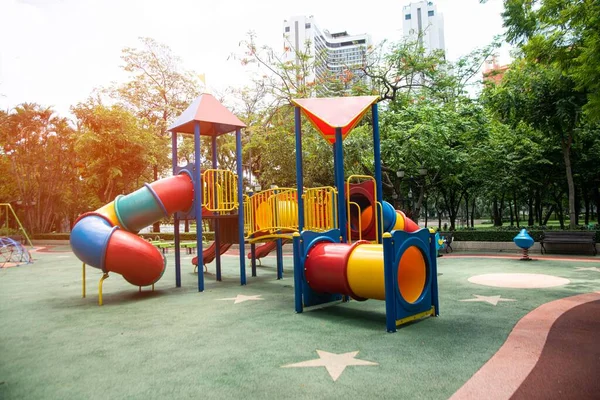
column 215, row 165
column 298, row 272
column 175, row 218
column 341, row 187
column 335, row 181
column 433, row 271
column 240, row 174
column 390, row 288
column 198, row 204
column 299, row 172
column 377, row 162
column 279, row 259
column 253, row 255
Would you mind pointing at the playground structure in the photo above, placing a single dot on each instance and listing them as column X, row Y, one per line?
column 348, row 242
column 107, row 238
column 391, row 260
column 12, row 251
column 524, row 241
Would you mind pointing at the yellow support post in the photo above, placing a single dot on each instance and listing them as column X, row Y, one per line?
column 104, row 276
column 9, row 207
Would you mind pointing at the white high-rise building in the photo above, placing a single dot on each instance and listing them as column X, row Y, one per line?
column 338, row 53
column 423, row 17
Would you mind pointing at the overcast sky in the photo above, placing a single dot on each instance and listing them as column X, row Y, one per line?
column 55, row 52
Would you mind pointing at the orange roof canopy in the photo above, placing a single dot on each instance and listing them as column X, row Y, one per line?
column 215, row 119
column 328, row 113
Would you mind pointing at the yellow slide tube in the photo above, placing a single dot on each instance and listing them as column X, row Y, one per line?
column 108, row 211
column 365, row 272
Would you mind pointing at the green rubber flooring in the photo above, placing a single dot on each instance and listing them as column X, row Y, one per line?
column 178, row 343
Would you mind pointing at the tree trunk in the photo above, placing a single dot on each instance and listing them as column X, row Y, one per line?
column 539, row 207
column 597, row 201
column 473, row 214
column 548, row 214
column 566, row 148
column 516, row 208
column 586, row 202
column 512, row 218
column 467, row 208
column 497, row 212
column 530, row 204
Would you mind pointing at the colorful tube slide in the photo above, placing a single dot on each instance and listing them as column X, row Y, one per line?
column 362, row 194
column 356, row 270
column 106, row 238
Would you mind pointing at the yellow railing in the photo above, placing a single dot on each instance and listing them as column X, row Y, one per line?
column 320, row 209
column 375, row 205
column 359, row 222
column 219, row 190
column 247, row 214
column 272, row 211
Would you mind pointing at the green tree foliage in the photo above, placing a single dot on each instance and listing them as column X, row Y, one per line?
column 542, row 96
column 116, row 151
column 563, row 33
column 270, row 142
column 157, row 92
column 38, row 155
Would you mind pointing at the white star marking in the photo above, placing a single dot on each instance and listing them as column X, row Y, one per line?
column 335, row 363
column 588, row 269
column 240, row 298
column 493, row 300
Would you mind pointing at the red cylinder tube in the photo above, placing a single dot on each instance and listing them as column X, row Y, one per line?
column 176, row 193
column 325, row 267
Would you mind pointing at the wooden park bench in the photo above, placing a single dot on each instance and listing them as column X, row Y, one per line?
column 568, row 237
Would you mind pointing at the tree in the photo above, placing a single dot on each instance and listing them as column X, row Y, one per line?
column 39, row 147
column 266, row 108
column 563, row 33
column 157, row 92
column 116, row 148
column 542, row 96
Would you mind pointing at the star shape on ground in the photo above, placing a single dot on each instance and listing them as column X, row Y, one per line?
column 588, row 269
column 240, row 298
column 493, row 300
column 335, row 363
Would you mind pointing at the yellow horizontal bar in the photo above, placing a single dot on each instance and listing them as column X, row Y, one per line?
column 416, row 316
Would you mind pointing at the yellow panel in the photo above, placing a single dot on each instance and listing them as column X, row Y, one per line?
column 412, row 273
column 365, row 271
column 108, row 211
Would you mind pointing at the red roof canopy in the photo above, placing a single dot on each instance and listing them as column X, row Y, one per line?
column 328, row 113
column 214, row 118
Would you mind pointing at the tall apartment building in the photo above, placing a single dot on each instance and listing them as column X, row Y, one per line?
column 423, row 17
column 336, row 53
